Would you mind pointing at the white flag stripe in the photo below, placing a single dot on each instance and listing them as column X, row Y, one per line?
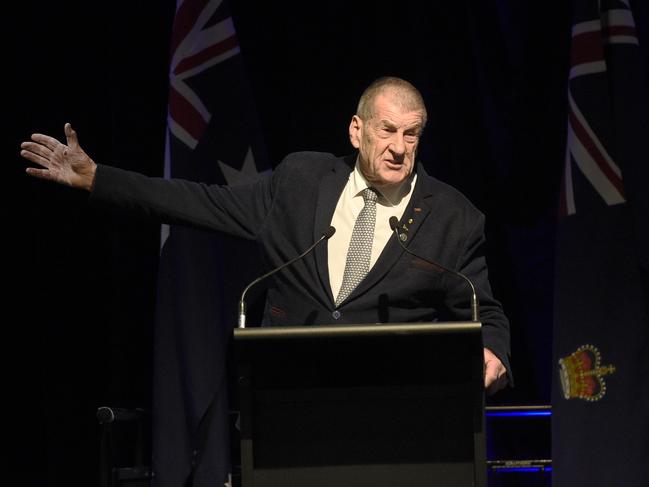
column 215, row 34
column 586, row 27
column 183, row 89
column 592, row 171
column 593, row 137
column 587, row 68
column 618, row 18
column 189, row 45
column 209, row 63
column 164, row 228
column 182, row 134
column 622, row 40
column 164, row 236
column 202, row 40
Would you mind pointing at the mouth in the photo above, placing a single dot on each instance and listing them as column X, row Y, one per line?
column 391, row 164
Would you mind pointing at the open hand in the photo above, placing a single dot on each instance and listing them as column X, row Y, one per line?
column 61, row 163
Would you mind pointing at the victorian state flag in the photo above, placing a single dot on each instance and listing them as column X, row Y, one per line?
column 601, row 334
column 213, row 138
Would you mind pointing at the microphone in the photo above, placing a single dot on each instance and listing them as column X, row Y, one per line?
column 326, row 235
column 475, row 307
column 107, row 414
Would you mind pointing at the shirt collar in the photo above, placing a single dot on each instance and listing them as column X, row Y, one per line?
column 392, row 196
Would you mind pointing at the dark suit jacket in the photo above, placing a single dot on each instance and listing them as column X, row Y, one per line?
column 286, row 212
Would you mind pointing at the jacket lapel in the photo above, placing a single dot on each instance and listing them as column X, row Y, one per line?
column 328, row 195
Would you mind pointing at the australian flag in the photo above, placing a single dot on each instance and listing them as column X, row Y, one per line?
column 601, row 333
column 212, row 137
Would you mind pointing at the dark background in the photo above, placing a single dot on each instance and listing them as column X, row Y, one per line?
column 81, row 284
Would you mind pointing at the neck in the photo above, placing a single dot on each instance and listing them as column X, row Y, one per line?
column 391, row 192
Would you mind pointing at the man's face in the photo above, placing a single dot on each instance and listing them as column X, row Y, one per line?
column 387, row 143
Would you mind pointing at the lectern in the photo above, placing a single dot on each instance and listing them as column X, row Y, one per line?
column 383, row 405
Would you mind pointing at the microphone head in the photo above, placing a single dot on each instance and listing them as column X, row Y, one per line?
column 394, row 222
column 329, row 232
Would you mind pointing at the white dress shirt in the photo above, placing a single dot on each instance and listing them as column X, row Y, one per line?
column 391, row 202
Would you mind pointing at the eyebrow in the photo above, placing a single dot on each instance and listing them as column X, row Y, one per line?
column 386, row 122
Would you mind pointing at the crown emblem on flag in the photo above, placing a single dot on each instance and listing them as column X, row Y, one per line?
column 582, row 375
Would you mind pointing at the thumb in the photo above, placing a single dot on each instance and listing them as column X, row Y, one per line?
column 71, row 136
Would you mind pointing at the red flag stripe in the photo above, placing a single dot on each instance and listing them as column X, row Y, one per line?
column 185, row 20
column 586, row 48
column 582, row 134
column 621, row 35
column 185, row 115
column 620, row 30
column 210, row 52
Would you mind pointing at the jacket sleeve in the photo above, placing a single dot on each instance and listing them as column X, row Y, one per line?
column 235, row 210
column 495, row 325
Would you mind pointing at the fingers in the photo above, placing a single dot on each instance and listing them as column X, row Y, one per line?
column 50, row 142
column 71, row 136
column 44, row 145
column 495, row 372
column 32, row 152
column 35, row 158
column 50, row 154
column 492, row 373
column 40, row 173
column 36, row 153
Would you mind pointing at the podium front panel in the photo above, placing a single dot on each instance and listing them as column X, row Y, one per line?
column 361, row 405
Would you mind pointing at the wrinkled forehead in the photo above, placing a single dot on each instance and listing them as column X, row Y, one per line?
column 391, row 111
column 396, row 103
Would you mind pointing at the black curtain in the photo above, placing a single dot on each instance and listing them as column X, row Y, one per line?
column 82, row 283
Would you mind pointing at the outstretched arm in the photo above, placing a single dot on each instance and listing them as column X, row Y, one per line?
column 61, row 163
column 238, row 210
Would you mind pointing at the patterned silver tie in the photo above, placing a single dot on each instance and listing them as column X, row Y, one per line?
column 360, row 246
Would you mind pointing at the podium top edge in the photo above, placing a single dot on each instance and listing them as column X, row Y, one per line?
column 376, row 329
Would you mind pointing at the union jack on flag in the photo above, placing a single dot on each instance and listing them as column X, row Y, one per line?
column 197, row 44
column 590, row 146
column 203, row 37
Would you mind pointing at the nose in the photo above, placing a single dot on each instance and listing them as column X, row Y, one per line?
column 398, row 145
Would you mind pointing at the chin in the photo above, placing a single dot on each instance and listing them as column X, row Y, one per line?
column 393, row 179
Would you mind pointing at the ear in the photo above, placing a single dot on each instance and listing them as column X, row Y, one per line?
column 356, row 131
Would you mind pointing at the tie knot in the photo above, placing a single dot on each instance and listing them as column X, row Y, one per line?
column 370, row 195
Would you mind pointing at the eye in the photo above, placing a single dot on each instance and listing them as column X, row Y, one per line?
column 386, row 131
column 411, row 138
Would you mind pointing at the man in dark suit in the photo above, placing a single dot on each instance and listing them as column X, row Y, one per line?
column 362, row 274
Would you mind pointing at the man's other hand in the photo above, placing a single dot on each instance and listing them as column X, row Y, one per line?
column 495, row 373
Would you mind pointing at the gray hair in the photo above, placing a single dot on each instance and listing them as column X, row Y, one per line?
column 406, row 95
